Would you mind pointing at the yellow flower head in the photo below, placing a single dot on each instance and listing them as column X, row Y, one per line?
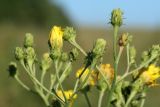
column 68, row 94
column 92, row 78
column 108, row 71
column 150, row 75
column 56, row 37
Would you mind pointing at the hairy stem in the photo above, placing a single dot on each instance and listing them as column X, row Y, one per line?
column 101, row 94
column 115, row 77
column 22, row 84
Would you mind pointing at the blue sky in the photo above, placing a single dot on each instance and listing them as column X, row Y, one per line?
column 97, row 12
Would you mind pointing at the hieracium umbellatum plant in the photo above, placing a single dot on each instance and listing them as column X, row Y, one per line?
column 120, row 92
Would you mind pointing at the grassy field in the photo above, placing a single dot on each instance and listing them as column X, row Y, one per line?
column 12, row 95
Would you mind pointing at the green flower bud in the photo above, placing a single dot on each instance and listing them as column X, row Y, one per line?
column 30, row 55
column 132, row 52
column 19, row 53
column 55, row 53
column 155, row 51
column 96, row 54
column 29, row 40
column 73, row 55
column 64, row 56
column 137, row 86
column 46, row 62
column 12, row 69
column 99, row 47
column 116, row 17
column 145, row 56
column 69, row 34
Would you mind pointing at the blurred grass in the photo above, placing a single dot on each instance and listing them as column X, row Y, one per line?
column 12, row 95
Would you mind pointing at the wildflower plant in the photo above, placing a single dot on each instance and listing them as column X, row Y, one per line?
column 120, row 92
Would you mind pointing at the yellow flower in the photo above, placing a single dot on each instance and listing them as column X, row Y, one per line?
column 56, row 37
column 68, row 94
column 108, row 71
column 92, row 78
column 150, row 75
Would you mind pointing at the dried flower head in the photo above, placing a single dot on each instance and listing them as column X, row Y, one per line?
column 12, row 69
column 108, row 71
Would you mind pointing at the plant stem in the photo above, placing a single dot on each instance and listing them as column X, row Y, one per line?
column 115, row 77
column 42, row 76
column 115, row 34
column 87, row 99
column 22, row 84
column 31, row 72
column 45, row 99
column 133, row 93
column 76, row 85
column 74, row 43
column 100, row 98
column 44, row 88
column 128, row 56
column 138, row 68
column 52, row 81
column 143, row 100
column 63, row 75
column 57, row 75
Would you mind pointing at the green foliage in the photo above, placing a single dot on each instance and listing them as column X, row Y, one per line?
column 38, row 12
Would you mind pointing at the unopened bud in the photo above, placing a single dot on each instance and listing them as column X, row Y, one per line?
column 29, row 40
column 64, row 56
column 155, row 51
column 116, row 17
column 69, row 34
column 30, row 55
column 19, row 53
column 46, row 62
column 125, row 39
column 99, row 47
column 55, row 53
